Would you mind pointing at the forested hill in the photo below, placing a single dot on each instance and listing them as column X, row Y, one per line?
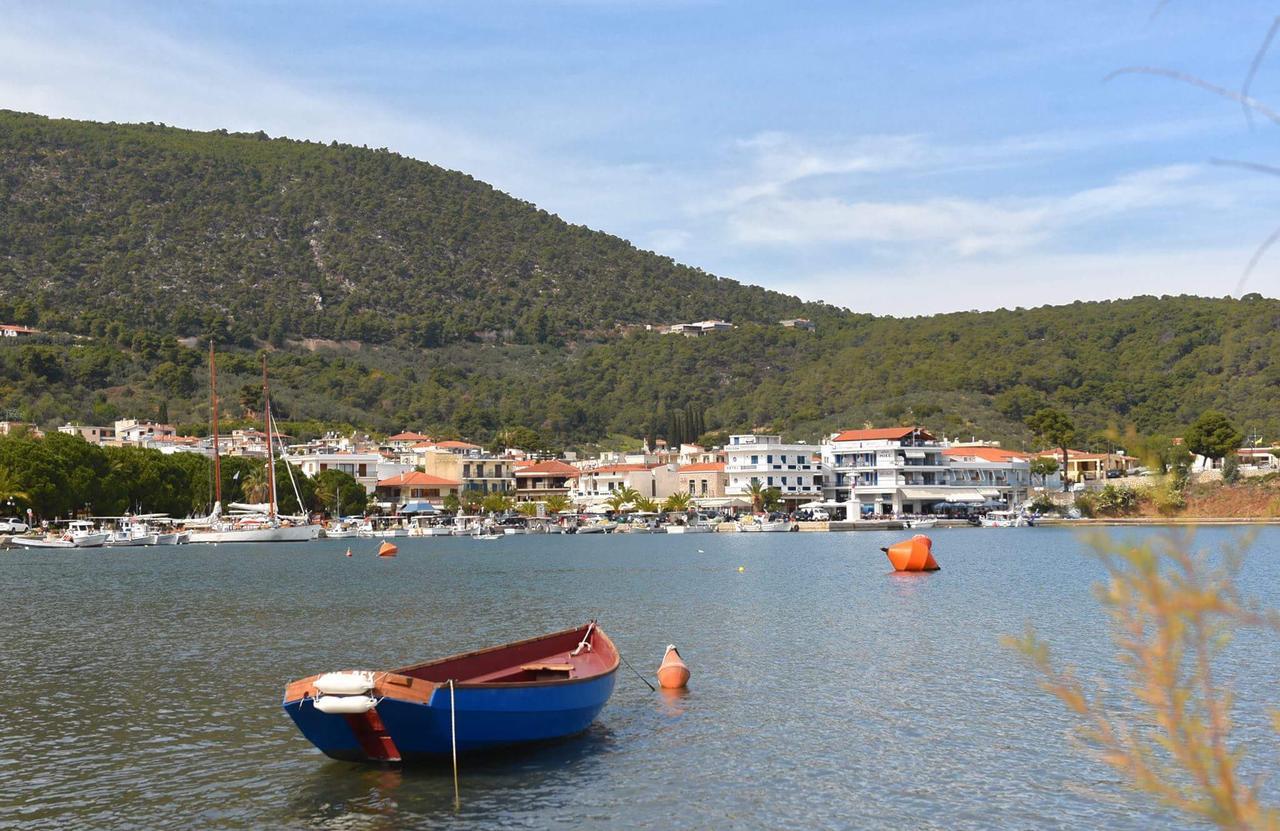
column 468, row 313
column 242, row 236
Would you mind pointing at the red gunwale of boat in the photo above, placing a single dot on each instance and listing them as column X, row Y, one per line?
column 546, row 660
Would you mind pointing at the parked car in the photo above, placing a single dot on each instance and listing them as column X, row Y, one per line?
column 13, row 525
column 1115, row 473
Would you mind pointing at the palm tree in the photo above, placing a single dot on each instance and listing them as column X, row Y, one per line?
column 678, row 502
column 621, row 497
column 772, row 499
column 756, row 490
column 556, row 503
column 495, row 503
column 254, row 485
column 527, row 509
column 645, row 505
column 11, row 488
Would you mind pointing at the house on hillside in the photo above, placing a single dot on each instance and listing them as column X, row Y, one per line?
column 1089, row 467
column 535, row 482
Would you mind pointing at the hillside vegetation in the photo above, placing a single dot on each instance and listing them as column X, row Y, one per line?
column 467, row 312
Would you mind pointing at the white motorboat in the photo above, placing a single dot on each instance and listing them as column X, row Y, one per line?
column 756, row 525
column 85, row 535
column 691, row 528
column 920, row 522
column 341, row 533
column 1005, row 519
column 487, row 537
column 43, row 542
column 168, row 538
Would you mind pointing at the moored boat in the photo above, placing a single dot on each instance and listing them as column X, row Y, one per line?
column 532, row 690
column 757, row 525
column 1005, row 519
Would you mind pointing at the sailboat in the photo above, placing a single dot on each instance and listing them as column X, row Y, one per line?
column 253, row 522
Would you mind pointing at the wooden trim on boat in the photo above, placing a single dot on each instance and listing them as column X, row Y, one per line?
column 385, row 685
column 489, row 649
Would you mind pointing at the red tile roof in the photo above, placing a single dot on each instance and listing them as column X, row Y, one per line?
column 458, row 445
column 552, row 468
column 991, row 454
column 879, row 433
column 616, row 469
column 702, row 466
column 408, row 436
column 417, row 479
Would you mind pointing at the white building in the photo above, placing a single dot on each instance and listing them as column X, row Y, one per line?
column 794, row 469
column 595, row 485
column 892, row 471
column 366, row 468
column 93, row 435
column 142, row 433
column 998, row 475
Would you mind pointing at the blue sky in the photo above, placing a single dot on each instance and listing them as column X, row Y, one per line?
column 897, row 158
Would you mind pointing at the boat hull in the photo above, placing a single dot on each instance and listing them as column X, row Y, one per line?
column 689, row 529
column 486, row 718
column 40, row 542
column 287, row 533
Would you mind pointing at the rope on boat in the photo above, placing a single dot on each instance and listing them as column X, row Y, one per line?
column 651, row 687
column 586, row 640
column 453, row 731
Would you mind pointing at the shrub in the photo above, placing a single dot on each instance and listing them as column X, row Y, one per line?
column 1231, row 469
column 1087, row 504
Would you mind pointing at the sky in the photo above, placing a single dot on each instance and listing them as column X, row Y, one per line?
column 893, row 158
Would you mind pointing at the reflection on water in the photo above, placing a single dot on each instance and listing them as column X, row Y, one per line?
column 143, row 686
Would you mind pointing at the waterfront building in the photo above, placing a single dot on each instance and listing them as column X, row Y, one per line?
column 595, row 485
column 478, row 471
column 889, row 471
column 93, row 435
column 998, row 475
column 367, row 468
column 407, row 492
column 1087, row 467
column 704, row 480
column 535, row 482
column 796, row 470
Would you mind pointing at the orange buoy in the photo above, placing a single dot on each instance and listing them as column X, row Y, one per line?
column 387, row 550
column 673, row 674
column 915, row 554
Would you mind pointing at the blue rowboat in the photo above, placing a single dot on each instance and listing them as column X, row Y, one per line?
column 527, row 691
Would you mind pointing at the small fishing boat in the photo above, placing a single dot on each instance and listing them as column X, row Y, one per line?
column 1005, row 519
column 920, row 522
column 488, row 537
column 758, row 525
column 43, row 542
column 532, row 690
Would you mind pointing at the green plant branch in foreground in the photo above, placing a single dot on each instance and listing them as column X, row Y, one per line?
column 1172, row 612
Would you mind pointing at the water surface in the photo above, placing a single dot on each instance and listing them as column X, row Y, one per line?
column 143, row 686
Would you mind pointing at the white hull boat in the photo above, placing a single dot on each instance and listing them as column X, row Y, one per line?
column 699, row 528
column 131, row 541
column 42, row 542
column 764, row 527
column 920, row 523
column 283, row 533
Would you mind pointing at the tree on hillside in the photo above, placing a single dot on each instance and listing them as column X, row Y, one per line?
column 1044, row 467
column 1054, row 428
column 1212, row 436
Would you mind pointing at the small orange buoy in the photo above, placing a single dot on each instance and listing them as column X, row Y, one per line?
column 915, row 554
column 387, row 550
column 673, row 674
column 348, row 552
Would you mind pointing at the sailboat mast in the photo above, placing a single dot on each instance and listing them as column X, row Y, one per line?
column 213, row 406
column 271, row 456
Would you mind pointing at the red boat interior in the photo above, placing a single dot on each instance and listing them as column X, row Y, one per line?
column 548, row 658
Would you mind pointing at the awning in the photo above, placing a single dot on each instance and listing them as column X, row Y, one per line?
column 419, row 506
column 990, row 493
column 913, row 454
column 932, row 494
column 722, row 502
column 972, row 497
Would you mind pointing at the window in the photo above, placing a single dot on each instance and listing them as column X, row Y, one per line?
column 769, row 459
column 362, row 470
column 770, row 482
column 784, row 480
column 755, row 460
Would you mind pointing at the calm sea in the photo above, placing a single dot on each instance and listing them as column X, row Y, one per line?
column 142, row 687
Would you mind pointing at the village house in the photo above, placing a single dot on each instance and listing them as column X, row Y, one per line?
column 141, row 433
column 414, row 492
column 93, row 435
column 367, row 468
column 535, row 482
column 794, row 469
column 596, row 485
column 890, row 470
column 703, row 480
column 1088, row 467
column 13, row 428
column 478, row 471
column 9, row 330
column 998, row 475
